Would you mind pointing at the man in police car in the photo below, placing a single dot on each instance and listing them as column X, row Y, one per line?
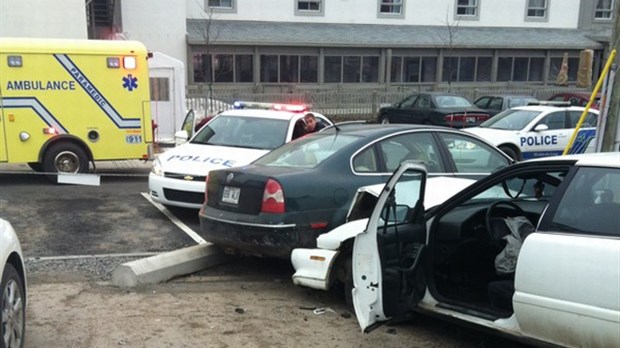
column 312, row 125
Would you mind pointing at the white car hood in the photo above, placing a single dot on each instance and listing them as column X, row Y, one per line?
column 196, row 159
column 438, row 190
column 495, row 136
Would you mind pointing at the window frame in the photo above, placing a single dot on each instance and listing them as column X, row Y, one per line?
column 475, row 6
column 392, row 4
column 529, row 7
column 221, row 9
column 610, row 10
column 319, row 12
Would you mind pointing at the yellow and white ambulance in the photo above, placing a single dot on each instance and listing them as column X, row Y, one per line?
column 65, row 103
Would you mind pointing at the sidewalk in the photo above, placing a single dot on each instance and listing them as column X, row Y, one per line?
column 99, row 165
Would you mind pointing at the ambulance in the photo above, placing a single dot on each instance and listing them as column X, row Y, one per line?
column 65, row 103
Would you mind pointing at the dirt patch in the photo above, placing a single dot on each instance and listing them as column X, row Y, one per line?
column 214, row 310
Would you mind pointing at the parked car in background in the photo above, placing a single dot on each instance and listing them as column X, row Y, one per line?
column 329, row 263
column 13, row 293
column 539, row 239
column 293, row 194
column 493, row 104
column 434, row 108
column 233, row 138
column 577, row 99
column 539, row 130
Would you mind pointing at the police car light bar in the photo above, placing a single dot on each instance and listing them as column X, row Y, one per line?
column 270, row 106
column 550, row 103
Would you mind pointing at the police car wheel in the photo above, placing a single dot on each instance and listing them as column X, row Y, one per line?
column 65, row 158
column 510, row 152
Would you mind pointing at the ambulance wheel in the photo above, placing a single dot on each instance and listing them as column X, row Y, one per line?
column 65, row 158
column 36, row 166
column 510, row 152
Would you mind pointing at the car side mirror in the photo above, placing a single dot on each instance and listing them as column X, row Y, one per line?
column 180, row 137
column 541, row 127
column 397, row 215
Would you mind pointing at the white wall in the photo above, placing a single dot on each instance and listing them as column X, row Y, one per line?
column 63, row 19
column 502, row 13
column 159, row 24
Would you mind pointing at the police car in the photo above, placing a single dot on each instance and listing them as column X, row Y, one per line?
column 233, row 138
column 539, row 130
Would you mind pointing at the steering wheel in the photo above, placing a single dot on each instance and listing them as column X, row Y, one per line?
column 496, row 226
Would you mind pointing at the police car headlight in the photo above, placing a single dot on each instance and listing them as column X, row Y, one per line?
column 157, row 170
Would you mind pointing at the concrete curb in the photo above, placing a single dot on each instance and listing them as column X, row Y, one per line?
column 168, row 265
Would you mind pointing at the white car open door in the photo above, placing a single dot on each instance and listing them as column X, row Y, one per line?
column 388, row 256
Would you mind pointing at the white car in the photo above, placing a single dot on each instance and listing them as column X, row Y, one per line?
column 330, row 262
column 12, row 288
column 539, row 130
column 532, row 252
column 231, row 139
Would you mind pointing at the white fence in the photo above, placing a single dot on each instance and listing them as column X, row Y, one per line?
column 351, row 103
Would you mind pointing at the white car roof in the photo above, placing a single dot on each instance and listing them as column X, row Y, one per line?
column 599, row 159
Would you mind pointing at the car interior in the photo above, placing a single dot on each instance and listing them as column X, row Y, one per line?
column 466, row 241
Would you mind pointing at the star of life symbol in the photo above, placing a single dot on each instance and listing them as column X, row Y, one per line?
column 130, row 82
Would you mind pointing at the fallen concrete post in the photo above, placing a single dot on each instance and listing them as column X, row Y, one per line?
column 165, row 266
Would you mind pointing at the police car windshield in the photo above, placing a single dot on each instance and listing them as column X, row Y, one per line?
column 243, row 131
column 511, row 119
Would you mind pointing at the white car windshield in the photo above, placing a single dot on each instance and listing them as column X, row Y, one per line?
column 306, row 152
column 243, row 131
column 511, row 119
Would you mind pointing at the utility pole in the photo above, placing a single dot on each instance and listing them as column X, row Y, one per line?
column 611, row 129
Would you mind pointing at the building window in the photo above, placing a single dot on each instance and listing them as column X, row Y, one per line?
column 309, row 7
column 309, row 69
column 288, row 69
column 520, row 69
column 351, row 69
column 413, row 69
column 604, row 9
column 536, row 10
column 391, row 8
column 268, row 68
column 483, row 69
column 222, row 68
column 244, row 68
column 221, row 5
column 466, row 9
column 466, row 69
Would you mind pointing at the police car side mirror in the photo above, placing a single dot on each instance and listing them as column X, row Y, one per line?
column 180, row 137
column 541, row 127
